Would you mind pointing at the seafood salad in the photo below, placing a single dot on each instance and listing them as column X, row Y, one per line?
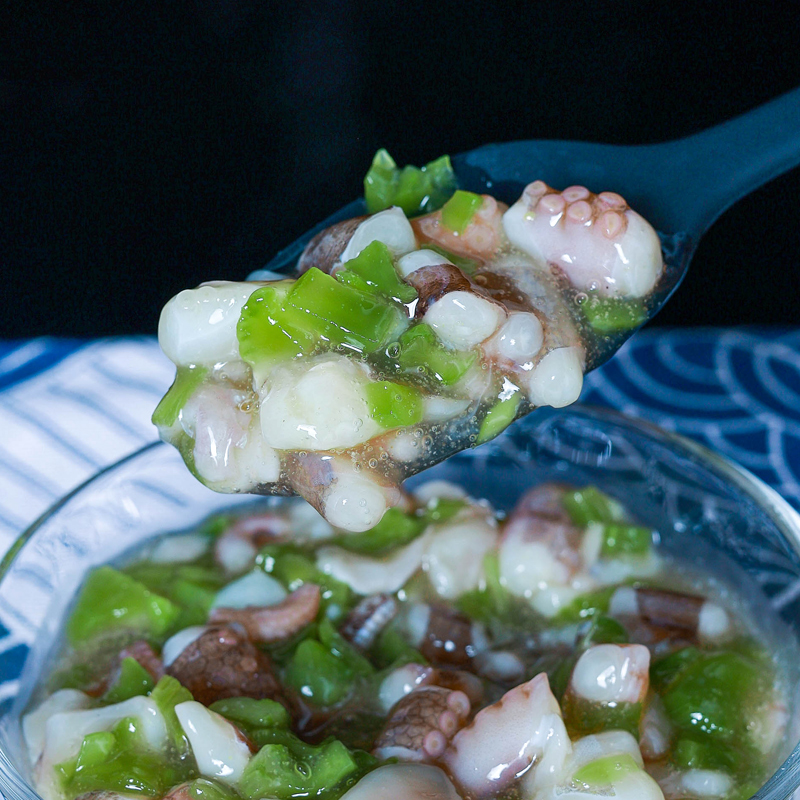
column 451, row 652
column 402, row 337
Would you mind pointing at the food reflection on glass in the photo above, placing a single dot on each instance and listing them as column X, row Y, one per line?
column 403, row 337
column 448, row 653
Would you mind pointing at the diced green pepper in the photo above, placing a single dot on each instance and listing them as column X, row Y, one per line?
column 375, row 267
column 393, row 405
column 167, row 694
column 110, row 600
column 318, row 675
column 693, row 753
column 297, row 770
column 714, row 695
column 466, row 265
column 395, row 529
column 609, row 315
column 458, row 211
column 133, row 679
column 498, row 418
column 492, row 601
column 625, row 540
column 587, row 605
column 341, row 648
column 415, row 190
column 251, row 715
column 293, row 569
column 391, row 649
column 591, row 505
column 206, row 789
column 267, row 334
column 341, row 314
column 606, row 771
column 664, row 670
column 95, row 749
column 183, row 387
column 442, row 509
column 421, row 351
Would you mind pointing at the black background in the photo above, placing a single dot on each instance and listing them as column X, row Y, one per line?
column 146, row 147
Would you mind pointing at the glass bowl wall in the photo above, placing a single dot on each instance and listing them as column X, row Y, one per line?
column 706, row 510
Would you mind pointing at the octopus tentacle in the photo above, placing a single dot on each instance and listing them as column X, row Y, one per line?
column 421, row 724
column 274, row 623
column 363, row 624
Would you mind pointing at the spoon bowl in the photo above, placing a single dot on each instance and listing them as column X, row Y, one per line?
column 681, row 187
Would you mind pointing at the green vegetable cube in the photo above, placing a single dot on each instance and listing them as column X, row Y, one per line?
column 610, row 315
column 110, row 600
column 458, row 211
column 393, row 405
column 498, row 418
column 421, row 351
column 133, row 679
column 187, row 380
column 374, row 266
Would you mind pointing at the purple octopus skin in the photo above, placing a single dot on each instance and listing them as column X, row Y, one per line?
column 434, row 282
column 421, row 724
column 365, row 622
column 324, row 249
column 223, row 663
column 236, row 548
column 273, row 623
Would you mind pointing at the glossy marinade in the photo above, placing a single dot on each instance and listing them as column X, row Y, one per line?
column 450, row 652
column 402, row 337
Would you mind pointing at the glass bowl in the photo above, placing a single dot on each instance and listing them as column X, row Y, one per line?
column 705, row 508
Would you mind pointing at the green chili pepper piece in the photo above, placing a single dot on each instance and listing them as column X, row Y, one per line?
column 251, row 715
column 422, row 352
column 375, row 267
column 604, row 630
column 667, row 668
column 392, row 649
column 96, row 748
column 692, row 753
column 625, row 540
column 318, row 675
column 583, row 717
column 498, row 418
column 133, row 679
column 610, row 315
column 415, row 190
column 442, row 509
column 297, row 770
column 111, row 600
column 267, row 334
column 167, row 694
column 393, row 405
column 587, row 605
column 341, row 314
column 206, row 789
column 591, row 505
column 458, row 211
column 183, row 387
column 605, row 771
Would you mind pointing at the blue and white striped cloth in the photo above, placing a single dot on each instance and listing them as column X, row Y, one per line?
column 69, row 408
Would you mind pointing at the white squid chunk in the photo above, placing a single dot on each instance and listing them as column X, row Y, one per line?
column 367, row 575
column 354, row 503
column 399, row 682
column 218, row 748
column 656, row 731
column 706, row 783
column 520, row 338
column 411, row 262
column 179, row 549
column 518, row 734
column 611, row 673
column 254, row 589
column 439, row 409
column 390, row 227
column 64, row 733
column 428, row 493
column 179, row 641
column 404, row 782
column 454, row 558
column 605, row 247
column 527, row 566
column 198, row 326
column 318, row 405
column 463, row 319
column 557, row 379
column 34, row 723
column 713, row 624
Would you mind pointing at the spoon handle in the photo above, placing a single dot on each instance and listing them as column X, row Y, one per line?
column 706, row 173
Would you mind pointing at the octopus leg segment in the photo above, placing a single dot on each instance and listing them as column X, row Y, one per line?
column 422, row 723
column 596, row 240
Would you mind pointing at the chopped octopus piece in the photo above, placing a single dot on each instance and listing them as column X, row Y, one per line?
column 273, row 623
column 236, row 548
column 422, row 723
column 222, row 663
column 612, row 673
column 363, row 624
column 404, row 782
column 443, row 635
column 519, row 733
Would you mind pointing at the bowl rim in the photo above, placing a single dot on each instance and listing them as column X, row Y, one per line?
column 781, row 784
